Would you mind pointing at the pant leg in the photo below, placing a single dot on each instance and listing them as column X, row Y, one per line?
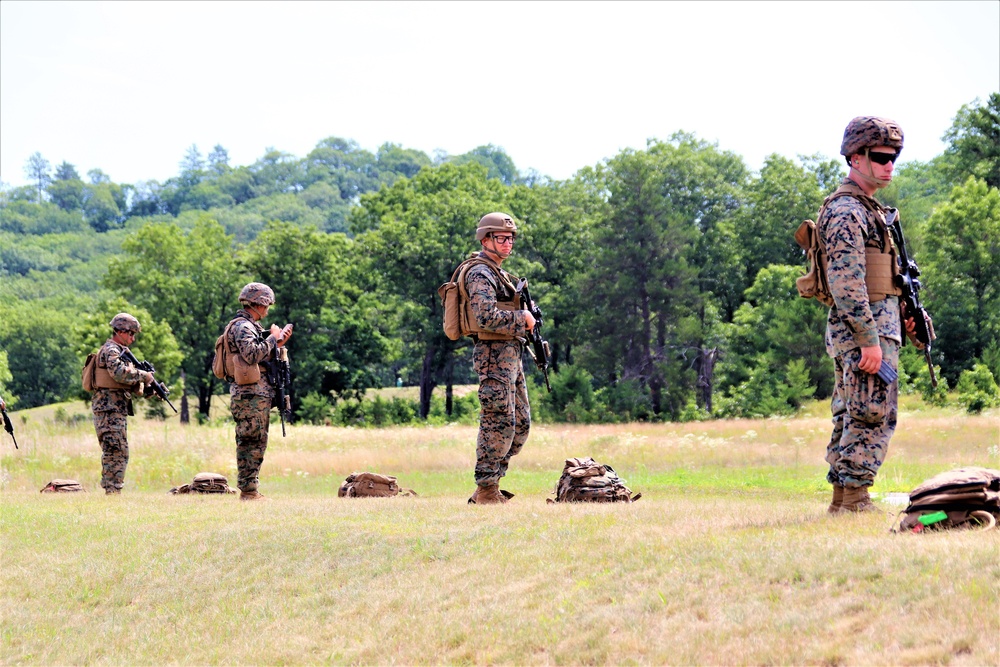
column 838, row 407
column 522, row 421
column 869, row 418
column 112, row 434
column 498, row 364
column 252, row 415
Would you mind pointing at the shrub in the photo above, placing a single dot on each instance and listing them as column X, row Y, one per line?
column 977, row 389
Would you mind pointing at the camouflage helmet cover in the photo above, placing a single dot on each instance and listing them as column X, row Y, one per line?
column 257, row 294
column 495, row 222
column 125, row 322
column 869, row 131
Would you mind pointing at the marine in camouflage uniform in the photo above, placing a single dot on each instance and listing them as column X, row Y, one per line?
column 863, row 329
column 250, row 404
column 111, row 404
column 505, row 415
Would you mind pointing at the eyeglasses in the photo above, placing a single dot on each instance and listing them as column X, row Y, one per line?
column 883, row 158
column 504, row 239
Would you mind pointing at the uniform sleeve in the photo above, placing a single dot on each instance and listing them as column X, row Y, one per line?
column 482, row 286
column 248, row 342
column 844, row 234
column 122, row 372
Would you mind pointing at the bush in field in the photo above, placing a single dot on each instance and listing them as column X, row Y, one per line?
column 315, row 409
column 977, row 389
column 624, row 401
column 768, row 393
column 572, row 398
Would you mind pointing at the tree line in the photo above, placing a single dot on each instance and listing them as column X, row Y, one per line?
column 666, row 274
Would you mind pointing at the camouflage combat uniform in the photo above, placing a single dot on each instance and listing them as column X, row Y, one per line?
column 863, row 405
column 504, row 415
column 111, row 407
column 250, row 404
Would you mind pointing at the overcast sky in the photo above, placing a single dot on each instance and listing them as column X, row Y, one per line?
column 127, row 87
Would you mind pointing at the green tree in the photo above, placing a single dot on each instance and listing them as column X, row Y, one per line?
column 189, row 280
column 974, row 142
column 962, row 274
column 496, row 161
column 37, row 170
column 40, row 357
column 5, row 379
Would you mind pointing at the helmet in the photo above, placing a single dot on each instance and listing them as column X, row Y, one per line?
column 257, row 294
column 125, row 322
column 868, row 131
column 495, row 222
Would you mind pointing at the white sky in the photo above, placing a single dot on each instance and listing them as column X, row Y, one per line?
column 127, row 87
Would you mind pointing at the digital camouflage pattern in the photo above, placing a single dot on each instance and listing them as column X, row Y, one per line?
column 863, row 406
column 250, row 404
column 870, row 131
column 846, row 227
column 110, row 408
column 504, row 415
column 250, row 341
column 252, row 414
column 125, row 322
column 864, row 418
column 257, row 294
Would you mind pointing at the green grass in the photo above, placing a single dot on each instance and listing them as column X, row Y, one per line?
column 729, row 558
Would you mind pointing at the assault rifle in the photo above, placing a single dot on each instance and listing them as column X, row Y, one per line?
column 909, row 282
column 7, row 426
column 539, row 346
column 279, row 373
column 158, row 388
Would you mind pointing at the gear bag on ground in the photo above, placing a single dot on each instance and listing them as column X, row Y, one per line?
column 961, row 498
column 586, row 480
column 371, row 485
column 205, row 482
column 62, row 486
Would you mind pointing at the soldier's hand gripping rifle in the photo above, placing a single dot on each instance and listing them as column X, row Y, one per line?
column 7, row 426
column 158, row 387
column 539, row 346
column 908, row 281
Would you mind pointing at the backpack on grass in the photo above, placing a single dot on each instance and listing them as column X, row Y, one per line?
column 586, row 480
column 961, row 498
column 62, row 486
column 371, row 485
column 205, row 482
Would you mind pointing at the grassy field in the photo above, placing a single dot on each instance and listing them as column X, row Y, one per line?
column 729, row 558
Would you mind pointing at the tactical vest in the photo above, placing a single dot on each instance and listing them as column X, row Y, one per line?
column 508, row 299
column 103, row 379
column 881, row 265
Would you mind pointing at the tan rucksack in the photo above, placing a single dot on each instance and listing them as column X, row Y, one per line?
column 89, row 372
column 961, row 498
column 586, row 480
column 62, row 486
column 231, row 367
column 205, row 482
column 371, row 485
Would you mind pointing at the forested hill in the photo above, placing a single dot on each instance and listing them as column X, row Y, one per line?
column 666, row 275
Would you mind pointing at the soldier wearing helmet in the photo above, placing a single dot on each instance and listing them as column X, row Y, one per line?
column 249, row 348
column 501, row 324
column 116, row 382
column 864, row 327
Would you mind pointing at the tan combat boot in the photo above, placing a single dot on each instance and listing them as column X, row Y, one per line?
column 251, row 495
column 488, row 495
column 856, row 499
column 838, row 499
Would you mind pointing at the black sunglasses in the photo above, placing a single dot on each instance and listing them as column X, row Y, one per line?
column 883, row 158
